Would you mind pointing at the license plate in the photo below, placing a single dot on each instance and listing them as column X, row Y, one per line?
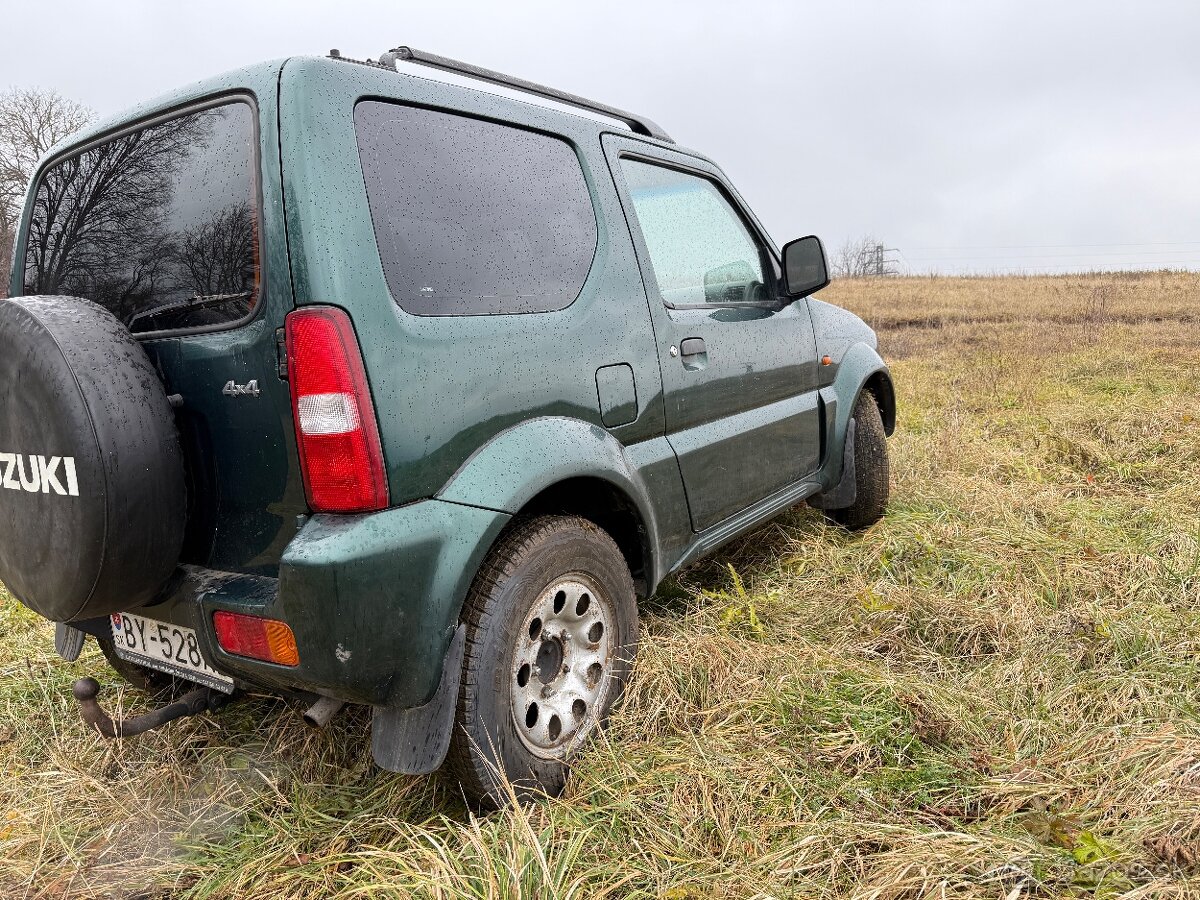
column 168, row 648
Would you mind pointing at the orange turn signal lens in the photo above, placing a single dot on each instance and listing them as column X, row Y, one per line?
column 826, row 360
column 256, row 638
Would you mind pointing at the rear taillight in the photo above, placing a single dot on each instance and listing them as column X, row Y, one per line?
column 336, row 431
column 256, row 637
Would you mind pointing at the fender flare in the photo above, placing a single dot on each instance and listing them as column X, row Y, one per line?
column 519, row 463
column 861, row 368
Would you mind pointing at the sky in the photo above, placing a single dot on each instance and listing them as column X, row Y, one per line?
column 970, row 136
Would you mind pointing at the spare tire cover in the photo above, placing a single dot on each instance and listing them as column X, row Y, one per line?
column 92, row 495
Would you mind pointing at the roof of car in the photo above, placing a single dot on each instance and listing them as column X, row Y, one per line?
column 266, row 76
column 637, row 123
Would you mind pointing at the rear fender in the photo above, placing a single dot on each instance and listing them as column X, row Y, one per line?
column 518, row 464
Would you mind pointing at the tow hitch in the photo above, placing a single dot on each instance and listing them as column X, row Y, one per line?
column 190, row 704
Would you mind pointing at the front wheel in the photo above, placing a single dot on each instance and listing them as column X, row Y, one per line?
column 551, row 634
column 871, row 468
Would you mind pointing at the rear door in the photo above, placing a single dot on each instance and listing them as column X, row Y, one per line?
column 165, row 225
column 738, row 360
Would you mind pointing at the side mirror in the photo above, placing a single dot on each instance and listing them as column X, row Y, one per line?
column 804, row 269
column 733, row 282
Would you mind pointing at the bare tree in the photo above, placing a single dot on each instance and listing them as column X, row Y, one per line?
column 8, row 237
column 98, row 229
column 862, row 257
column 219, row 255
column 31, row 122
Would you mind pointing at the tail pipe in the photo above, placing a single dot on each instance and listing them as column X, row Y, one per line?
column 322, row 712
column 190, row 704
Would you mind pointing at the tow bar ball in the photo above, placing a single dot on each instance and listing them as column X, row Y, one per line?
column 190, row 704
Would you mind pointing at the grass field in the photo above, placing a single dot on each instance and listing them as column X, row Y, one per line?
column 993, row 693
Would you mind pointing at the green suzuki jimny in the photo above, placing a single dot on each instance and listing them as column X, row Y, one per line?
column 331, row 381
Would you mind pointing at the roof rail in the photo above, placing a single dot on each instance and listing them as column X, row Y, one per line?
column 639, row 124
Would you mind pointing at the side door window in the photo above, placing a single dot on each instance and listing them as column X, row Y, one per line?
column 701, row 252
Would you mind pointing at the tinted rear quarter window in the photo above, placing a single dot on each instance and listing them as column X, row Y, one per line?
column 472, row 217
column 158, row 225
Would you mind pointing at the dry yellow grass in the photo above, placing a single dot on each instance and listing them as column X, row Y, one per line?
column 993, row 693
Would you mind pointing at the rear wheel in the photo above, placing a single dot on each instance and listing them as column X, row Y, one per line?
column 871, row 468
column 551, row 633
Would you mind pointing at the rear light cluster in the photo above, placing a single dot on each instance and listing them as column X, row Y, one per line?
column 257, row 638
column 336, row 431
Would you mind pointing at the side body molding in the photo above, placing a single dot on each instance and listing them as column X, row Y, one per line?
column 518, row 464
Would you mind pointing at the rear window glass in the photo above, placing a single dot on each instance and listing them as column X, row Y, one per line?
column 159, row 226
column 471, row 217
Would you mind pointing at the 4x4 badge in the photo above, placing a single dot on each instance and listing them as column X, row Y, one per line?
column 249, row 389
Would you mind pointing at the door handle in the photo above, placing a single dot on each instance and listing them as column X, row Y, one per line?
column 694, row 354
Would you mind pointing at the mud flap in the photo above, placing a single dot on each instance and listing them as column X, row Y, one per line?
column 846, row 491
column 415, row 741
column 68, row 641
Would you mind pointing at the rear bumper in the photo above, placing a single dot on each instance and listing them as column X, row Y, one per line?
column 373, row 601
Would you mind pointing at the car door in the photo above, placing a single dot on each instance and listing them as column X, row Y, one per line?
column 738, row 359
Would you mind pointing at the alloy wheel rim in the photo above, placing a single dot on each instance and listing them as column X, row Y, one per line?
column 562, row 666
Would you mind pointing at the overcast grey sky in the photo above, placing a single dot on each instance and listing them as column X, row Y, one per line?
column 987, row 136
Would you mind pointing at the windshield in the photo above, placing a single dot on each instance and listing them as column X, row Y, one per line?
column 158, row 225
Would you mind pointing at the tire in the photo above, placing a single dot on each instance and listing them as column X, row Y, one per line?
column 93, row 500
column 871, row 469
column 552, row 631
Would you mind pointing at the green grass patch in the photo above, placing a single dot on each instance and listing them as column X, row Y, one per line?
column 992, row 693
